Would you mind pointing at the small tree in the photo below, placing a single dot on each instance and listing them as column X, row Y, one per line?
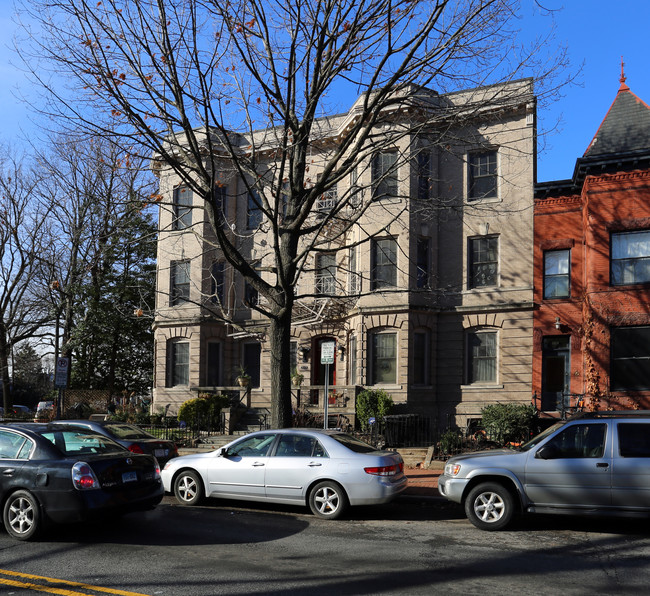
column 506, row 423
column 204, row 410
column 372, row 403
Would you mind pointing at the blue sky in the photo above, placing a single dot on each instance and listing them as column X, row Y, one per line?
column 596, row 32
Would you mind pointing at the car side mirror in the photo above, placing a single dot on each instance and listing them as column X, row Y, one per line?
column 223, row 452
column 547, row 452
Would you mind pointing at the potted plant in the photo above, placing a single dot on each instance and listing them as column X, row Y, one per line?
column 243, row 378
column 297, row 378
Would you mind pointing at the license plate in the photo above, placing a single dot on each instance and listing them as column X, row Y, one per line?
column 161, row 452
column 129, row 477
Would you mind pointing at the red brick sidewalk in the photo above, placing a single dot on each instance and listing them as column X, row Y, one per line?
column 422, row 482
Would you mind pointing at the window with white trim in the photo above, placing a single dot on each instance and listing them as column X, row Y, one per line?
column 483, row 261
column 481, row 357
column 482, row 175
column 383, row 358
column 182, row 208
column 557, row 265
column 179, row 282
column 384, row 175
column 383, row 264
column 630, row 258
column 178, row 363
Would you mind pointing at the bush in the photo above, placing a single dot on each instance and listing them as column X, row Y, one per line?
column 508, row 423
column 204, row 410
column 372, row 403
column 450, row 442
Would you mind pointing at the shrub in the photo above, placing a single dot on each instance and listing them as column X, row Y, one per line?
column 450, row 441
column 203, row 410
column 507, row 423
column 372, row 403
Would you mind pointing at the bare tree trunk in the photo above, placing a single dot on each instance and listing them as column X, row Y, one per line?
column 280, row 345
column 4, row 370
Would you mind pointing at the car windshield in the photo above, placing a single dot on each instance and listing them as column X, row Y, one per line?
column 73, row 442
column 353, row 444
column 541, row 436
column 126, row 431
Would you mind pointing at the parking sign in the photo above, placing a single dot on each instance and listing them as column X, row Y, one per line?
column 61, row 373
column 327, row 352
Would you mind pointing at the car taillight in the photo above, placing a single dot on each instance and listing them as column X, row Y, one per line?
column 134, row 448
column 83, row 478
column 384, row 470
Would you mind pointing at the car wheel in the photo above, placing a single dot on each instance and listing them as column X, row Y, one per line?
column 490, row 506
column 22, row 516
column 188, row 488
column 328, row 500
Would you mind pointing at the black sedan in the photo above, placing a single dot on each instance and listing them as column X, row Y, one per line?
column 133, row 438
column 63, row 474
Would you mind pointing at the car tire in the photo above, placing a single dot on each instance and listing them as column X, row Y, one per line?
column 22, row 516
column 328, row 500
column 490, row 506
column 188, row 488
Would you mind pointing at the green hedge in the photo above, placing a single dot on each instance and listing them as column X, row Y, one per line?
column 372, row 403
column 203, row 410
column 508, row 423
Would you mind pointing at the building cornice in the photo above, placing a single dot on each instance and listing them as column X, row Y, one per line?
column 489, row 308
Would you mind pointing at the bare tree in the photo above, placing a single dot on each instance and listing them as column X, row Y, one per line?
column 24, row 239
column 102, row 247
column 216, row 89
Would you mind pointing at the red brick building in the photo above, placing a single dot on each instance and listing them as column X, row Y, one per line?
column 592, row 271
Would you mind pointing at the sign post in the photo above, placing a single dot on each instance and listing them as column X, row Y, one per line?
column 61, row 381
column 326, row 358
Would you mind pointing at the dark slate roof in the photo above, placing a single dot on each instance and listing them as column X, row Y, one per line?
column 625, row 129
column 622, row 143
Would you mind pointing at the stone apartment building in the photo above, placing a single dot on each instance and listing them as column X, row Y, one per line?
column 592, row 271
column 429, row 295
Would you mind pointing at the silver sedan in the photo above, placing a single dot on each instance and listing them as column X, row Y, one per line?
column 326, row 470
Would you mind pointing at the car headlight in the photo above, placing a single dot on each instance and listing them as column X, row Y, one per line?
column 452, row 469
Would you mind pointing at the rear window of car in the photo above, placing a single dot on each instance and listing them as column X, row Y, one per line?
column 126, row 431
column 73, row 442
column 354, row 444
column 633, row 439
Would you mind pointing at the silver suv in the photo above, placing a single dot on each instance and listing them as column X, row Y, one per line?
column 592, row 463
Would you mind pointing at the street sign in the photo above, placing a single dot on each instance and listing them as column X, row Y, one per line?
column 61, row 373
column 327, row 352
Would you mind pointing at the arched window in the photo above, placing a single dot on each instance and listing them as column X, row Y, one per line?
column 178, row 362
column 482, row 356
column 382, row 356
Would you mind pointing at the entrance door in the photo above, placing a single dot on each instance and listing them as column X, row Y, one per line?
column 555, row 372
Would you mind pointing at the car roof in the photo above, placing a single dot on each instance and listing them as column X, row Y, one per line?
column 611, row 414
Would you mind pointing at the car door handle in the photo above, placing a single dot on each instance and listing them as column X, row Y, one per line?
column 602, row 465
column 257, row 464
column 8, row 472
column 314, row 464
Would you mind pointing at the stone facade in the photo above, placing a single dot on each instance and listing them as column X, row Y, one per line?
column 453, row 332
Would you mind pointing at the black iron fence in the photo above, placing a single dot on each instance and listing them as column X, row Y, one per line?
column 390, row 432
column 185, row 435
column 413, row 430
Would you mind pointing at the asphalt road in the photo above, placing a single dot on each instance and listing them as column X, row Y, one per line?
column 411, row 546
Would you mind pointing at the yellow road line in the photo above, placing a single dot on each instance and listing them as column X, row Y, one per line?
column 41, row 588
column 54, row 590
